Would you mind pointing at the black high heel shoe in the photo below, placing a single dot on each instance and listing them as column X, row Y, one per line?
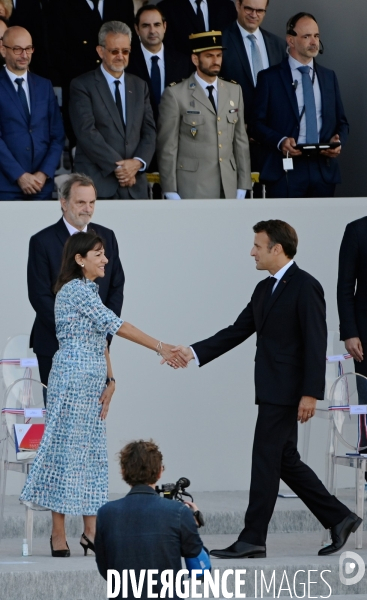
column 59, row 553
column 88, row 546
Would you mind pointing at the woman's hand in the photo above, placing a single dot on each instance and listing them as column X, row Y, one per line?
column 106, row 398
column 173, row 359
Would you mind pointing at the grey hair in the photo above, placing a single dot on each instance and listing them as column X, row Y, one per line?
column 113, row 27
column 78, row 179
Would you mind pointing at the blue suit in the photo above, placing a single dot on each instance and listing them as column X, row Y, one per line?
column 276, row 115
column 28, row 147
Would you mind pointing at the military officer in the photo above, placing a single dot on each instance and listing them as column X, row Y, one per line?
column 202, row 146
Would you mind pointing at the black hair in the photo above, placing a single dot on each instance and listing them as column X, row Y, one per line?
column 279, row 232
column 148, row 7
column 79, row 243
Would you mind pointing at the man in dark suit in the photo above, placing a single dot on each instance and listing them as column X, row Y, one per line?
column 73, row 33
column 287, row 312
column 185, row 17
column 151, row 60
column 31, row 129
column 298, row 102
column 113, row 121
column 78, row 197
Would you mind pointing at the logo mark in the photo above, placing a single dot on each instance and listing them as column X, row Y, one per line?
column 354, row 566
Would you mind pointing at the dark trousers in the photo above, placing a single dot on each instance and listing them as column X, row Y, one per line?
column 275, row 456
column 44, row 367
column 304, row 181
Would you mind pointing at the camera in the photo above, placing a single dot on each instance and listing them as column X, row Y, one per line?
column 177, row 491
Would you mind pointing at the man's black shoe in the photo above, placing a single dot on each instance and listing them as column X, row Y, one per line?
column 240, row 550
column 340, row 534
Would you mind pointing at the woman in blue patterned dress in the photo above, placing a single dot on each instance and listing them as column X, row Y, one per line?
column 70, row 471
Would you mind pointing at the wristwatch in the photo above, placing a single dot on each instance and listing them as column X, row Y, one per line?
column 110, row 379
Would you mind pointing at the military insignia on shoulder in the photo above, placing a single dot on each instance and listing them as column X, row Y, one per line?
column 235, row 82
column 172, row 84
column 229, row 80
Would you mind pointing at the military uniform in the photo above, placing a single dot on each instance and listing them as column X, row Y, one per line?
column 203, row 154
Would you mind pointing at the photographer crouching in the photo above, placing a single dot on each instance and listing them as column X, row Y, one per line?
column 144, row 531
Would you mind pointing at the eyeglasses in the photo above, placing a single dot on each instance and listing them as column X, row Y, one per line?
column 259, row 11
column 115, row 52
column 18, row 50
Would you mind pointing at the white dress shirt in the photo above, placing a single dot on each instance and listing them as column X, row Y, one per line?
column 277, row 276
column 111, row 84
column 248, row 47
column 204, row 10
column 100, row 6
column 297, row 76
column 148, row 59
column 71, row 229
column 25, row 86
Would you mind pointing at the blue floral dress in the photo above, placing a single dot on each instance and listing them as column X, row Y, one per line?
column 70, row 471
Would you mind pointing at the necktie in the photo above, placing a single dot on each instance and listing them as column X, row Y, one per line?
column 312, row 136
column 95, row 6
column 257, row 63
column 200, row 16
column 268, row 291
column 119, row 101
column 155, row 77
column 210, row 89
column 22, row 97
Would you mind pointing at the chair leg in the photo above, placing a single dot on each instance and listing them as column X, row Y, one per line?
column 3, row 474
column 29, row 528
column 360, row 470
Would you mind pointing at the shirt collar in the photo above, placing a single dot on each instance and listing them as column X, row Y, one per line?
column 13, row 76
column 204, row 84
column 283, row 270
column 71, row 229
column 246, row 33
column 110, row 78
column 148, row 55
column 294, row 64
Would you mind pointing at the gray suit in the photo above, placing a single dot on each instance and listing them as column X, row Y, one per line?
column 202, row 154
column 101, row 138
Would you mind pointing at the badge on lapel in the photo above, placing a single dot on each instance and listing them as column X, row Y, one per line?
column 193, row 131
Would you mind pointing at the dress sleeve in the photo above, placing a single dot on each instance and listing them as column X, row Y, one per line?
column 89, row 304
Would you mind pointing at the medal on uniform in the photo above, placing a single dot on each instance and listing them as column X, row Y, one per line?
column 193, row 131
column 231, row 102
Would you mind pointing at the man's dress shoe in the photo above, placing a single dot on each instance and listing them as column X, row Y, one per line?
column 240, row 550
column 340, row 534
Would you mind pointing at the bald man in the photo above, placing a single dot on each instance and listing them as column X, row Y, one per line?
column 31, row 129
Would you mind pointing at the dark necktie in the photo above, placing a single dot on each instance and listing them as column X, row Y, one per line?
column 155, row 77
column 268, row 291
column 22, row 97
column 200, row 17
column 312, row 136
column 210, row 89
column 119, row 101
column 95, row 7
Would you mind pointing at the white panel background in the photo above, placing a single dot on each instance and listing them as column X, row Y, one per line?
column 188, row 274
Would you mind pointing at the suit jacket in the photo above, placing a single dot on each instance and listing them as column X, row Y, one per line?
column 44, row 262
column 291, row 334
column 74, row 33
column 182, row 20
column 236, row 65
column 101, row 138
column 29, row 146
column 177, row 66
column 352, row 281
column 167, row 528
column 276, row 115
column 198, row 150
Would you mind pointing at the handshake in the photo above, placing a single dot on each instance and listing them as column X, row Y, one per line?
column 176, row 356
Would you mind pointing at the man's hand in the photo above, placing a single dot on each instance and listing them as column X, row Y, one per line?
column 306, row 408
column 122, row 179
column 29, row 184
column 289, row 146
column 180, row 354
column 126, row 170
column 106, row 398
column 333, row 152
column 41, row 177
column 354, row 347
column 172, row 357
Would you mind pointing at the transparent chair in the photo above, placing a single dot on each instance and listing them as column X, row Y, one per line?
column 348, row 431
column 22, row 404
column 16, row 357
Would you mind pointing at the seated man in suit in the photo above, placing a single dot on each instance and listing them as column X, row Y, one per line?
column 185, row 17
column 31, row 130
column 298, row 102
column 113, row 120
column 151, row 60
column 143, row 530
column 77, row 198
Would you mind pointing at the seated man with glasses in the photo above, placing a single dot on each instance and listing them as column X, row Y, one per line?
column 31, row 129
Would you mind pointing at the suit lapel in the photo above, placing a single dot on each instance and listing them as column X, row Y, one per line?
column 105, row 93
column 271, row 49
column 223, row 97
column 169, row 68
column 129, row 102
column 62, row 231
column 277, row 292
column 286, row 76
column 199, row 94
column 324, row 103
column 239, row 44
column 10, row 89
column 32, row 96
